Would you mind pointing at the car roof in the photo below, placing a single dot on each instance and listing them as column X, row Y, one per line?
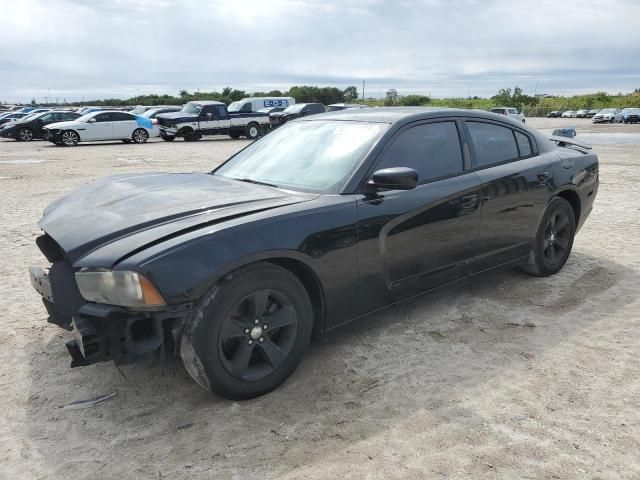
column 206, row 102
column 397, row 114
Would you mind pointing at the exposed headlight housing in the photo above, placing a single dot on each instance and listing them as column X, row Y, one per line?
column 126, row 289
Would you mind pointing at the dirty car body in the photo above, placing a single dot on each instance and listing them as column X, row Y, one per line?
column 356, row 246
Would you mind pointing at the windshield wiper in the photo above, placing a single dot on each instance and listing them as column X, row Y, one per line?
column 257, row 182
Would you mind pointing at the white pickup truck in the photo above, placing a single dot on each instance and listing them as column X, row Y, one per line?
column 198, row 118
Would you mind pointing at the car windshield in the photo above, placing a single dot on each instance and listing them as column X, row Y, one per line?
column 608, row 110
column 315, row 156
column 30, row 116
column 295, row 108
column 86, row 117
column 235, row 106
column 191, row 108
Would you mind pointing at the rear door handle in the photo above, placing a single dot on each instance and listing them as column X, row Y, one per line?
column 543, row 177
column 469, row 201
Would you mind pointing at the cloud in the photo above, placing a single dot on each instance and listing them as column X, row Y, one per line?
column 117, row 48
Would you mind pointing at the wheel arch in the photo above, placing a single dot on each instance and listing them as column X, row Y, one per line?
column 298, row 267
column 573, row 198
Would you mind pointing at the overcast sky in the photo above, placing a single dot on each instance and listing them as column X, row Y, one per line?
column 112, row 48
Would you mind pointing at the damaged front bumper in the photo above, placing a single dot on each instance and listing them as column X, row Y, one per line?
column 105, row 332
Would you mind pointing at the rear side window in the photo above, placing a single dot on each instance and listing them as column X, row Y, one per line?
column 491, row 143
column 122, row 117
column 524, row 145
column 432, row 149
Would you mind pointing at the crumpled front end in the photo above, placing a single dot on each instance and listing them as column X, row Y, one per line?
column 101, row 332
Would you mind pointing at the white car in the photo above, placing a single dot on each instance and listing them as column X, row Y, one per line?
column 100, row 126
column 605, row 115
column 512, row 113
column 569, row 114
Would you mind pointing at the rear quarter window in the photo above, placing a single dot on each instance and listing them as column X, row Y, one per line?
column 491, row 144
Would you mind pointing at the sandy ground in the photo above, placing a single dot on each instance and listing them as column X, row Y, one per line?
column 506, row 377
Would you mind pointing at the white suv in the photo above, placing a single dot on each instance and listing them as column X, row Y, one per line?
column 510, row 112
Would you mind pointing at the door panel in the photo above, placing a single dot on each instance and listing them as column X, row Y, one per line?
column 101, row 129
column 410, row 241
column 514, row 196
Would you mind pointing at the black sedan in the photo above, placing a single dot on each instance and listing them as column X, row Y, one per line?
column 320, row 222
column 292, row 112
column 30, row 127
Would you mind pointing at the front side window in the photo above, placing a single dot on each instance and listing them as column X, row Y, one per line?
column 491, row 143
column 103, row 117
column 314, row 156
column 432, row 149
column 192, row 108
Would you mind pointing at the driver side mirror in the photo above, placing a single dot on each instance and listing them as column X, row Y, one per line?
column 209, row 115
column 93, row 120
column 396, row 178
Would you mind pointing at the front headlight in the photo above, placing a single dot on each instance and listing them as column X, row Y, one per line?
column 127, row 289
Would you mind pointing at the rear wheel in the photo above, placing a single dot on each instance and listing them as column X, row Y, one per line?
column 249, row 332
column 70, row 138
column 25, row 135
column 252, row 131
column 140, row 135
column 554, row 240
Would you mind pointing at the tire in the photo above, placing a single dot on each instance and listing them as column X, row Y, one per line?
column 69, row 138
column 234, row 135
column 167, row 138
column 191, row 136
column 554, row 240
column 25, row 135
column 252, row 131
column 140, row 135
column 225, row 346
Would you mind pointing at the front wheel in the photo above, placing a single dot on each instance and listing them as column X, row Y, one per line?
column 70, row 138
column 25, row 135
column 249, row 332
column 167, row 138
column 140, row 135
column 554, row 239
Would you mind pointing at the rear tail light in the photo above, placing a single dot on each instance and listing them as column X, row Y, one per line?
column 154, row 121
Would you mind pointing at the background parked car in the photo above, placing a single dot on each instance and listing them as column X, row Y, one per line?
column 605, row 115
column 295, row 111
column 582, row 113
column 256, row 104
column 618, row 117
column 30, row 127
column 554, row 114
column 632, row 116
column 569, row 114
column 153, row 112
column 100, row 126
column 344, row 106
column 591, row 113
column 510, row 112
column 85, row 110
column 11, row 117
column 269, row 110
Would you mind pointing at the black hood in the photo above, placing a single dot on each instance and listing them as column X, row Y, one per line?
column 146, row 207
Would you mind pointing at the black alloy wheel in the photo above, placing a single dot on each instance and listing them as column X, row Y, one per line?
column 554, row 239
column 557, row 238
column 258, row 334
column 249, row 332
